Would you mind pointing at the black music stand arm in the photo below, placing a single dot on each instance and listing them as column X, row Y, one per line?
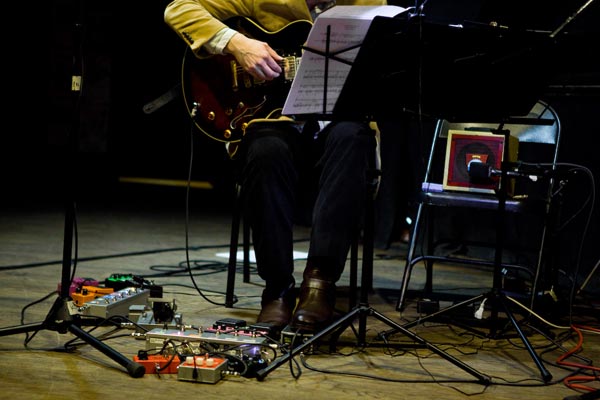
column 329, row 55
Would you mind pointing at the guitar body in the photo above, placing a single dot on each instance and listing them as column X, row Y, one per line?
column 222, row 98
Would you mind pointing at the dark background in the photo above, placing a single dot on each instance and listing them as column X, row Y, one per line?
column 129, row 57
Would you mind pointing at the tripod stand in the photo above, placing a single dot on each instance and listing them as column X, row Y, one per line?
column 60, row 318
column 496, row 296
column 481, row 63
column 363, row 310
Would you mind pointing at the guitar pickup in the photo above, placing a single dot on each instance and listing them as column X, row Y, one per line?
column 234, row 75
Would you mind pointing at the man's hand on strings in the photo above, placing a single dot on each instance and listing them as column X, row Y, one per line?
column 256, row 57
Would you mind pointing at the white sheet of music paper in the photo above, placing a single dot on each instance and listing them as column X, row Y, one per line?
column 348, row 26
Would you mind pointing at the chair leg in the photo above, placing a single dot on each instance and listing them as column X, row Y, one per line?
column 428, row 263
column 233, row 246
column 410, row 256
column 246, row 244
column 353, row 296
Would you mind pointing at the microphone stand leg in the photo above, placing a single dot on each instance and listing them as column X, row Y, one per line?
column 363, row 311
column 59, row 320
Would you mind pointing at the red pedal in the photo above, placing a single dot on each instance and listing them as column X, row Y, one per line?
column 155, row 364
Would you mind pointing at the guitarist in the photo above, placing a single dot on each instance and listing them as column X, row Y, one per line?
column 288, row 164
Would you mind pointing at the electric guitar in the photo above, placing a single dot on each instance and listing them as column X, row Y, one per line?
column 221, row 97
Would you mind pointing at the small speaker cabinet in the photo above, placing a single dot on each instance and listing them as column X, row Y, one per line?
column 465, row 147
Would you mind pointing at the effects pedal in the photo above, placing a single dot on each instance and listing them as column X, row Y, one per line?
column 123, row 281
column 158, row 363
column 77, row 283
column 156, row 338
column 145, row 320
column 293, row 338
column 115, row 303
column 225, row 324
column 202, row 369
column 88, row 293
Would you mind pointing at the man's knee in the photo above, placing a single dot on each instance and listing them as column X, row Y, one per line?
column 268, row 148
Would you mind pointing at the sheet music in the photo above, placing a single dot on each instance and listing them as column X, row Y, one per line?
column 348, row 26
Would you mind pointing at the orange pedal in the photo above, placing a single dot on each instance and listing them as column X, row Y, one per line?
column 80, row 299
column 155, row 364
column 89, row 293
column 97, row 290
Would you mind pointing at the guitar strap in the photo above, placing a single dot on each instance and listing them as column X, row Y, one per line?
column 162, row 100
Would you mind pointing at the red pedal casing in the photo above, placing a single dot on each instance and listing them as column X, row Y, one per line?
column 155, row 364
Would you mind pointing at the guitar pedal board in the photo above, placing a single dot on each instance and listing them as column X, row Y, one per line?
column 115, row 303
column 216, row 339
column 248, row 346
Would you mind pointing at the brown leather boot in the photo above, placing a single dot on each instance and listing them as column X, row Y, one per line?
column 277, row 311
column 316, row 301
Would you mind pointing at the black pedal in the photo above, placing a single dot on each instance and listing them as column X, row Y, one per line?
column 264, row 329
column 229, row 323
column 293, row 338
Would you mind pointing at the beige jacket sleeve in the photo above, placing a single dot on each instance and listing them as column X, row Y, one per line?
column 197, row 21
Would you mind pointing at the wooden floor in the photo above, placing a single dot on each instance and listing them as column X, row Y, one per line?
column 142, row 237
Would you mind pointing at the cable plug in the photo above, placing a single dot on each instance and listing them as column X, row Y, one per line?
column 479, row 313
column 552, row 294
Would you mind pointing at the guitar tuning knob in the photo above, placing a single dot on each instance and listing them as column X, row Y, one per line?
column 227, row 134
column 211, row 116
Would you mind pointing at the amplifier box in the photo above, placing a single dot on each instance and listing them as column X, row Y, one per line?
column 465, row 147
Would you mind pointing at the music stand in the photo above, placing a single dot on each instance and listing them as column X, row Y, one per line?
column 474, row 74
column 60, row 317
column 362, row 310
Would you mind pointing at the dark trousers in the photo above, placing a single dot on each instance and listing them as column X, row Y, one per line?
column 286, row 172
